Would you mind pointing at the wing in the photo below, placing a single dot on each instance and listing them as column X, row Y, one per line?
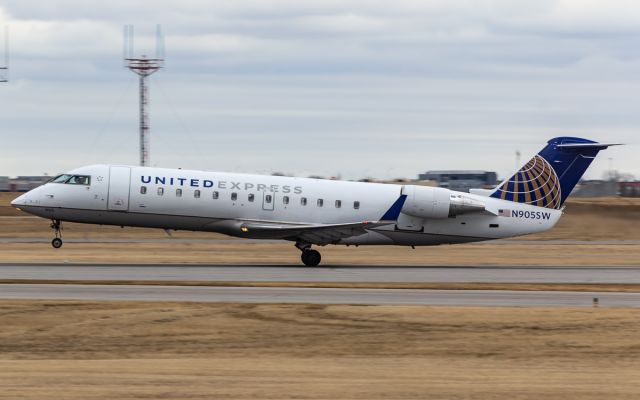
column 319, row 234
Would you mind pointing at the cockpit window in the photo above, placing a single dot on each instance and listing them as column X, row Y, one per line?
column 60, row 178
column 79, row 180
column 72, row 179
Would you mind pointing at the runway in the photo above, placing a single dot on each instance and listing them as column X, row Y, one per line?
column 355, row 274
column 318, row 296
column 271, row 273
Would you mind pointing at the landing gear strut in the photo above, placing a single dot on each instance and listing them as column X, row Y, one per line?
column 56, row 225
column 310, row 258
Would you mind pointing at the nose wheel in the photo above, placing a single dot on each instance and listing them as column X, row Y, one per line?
column 56, row 225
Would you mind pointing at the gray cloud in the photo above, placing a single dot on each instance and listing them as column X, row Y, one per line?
column 359, row 87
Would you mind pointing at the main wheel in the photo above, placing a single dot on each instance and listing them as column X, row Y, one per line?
column 311, row 258
column 56, row 243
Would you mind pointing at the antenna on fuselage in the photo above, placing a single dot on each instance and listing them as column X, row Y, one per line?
column 143, row 67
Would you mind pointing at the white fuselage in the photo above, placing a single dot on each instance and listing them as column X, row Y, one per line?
column 221, row 202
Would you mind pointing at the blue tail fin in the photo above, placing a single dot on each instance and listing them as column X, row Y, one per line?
column 550, row 176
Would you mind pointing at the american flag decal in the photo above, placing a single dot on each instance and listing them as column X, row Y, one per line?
column 504, row 212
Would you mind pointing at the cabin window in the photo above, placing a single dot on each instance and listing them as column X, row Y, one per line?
column 303, row 201
column 143, row 190
column 320, row 202
column 196, row 194
column 251, row 197
column 285, row 199
column 338, row 203
column 160, row 191
column 356, row 205
column 178, row 192
column 493, row 225
column 268, row 198
column 215, row 195
column 234, row 196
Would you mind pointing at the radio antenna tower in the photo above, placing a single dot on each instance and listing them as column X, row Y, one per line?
column 4, row 69
column 144, row 67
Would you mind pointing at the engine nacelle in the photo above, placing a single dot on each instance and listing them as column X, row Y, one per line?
column 435, row 202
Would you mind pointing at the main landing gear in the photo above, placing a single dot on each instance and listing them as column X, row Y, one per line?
column 56, row 225
column 310, row 258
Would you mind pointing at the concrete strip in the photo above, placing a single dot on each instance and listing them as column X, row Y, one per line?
column 319, row 296
column 370, row 274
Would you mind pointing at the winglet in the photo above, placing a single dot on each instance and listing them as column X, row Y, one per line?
column 393, row 212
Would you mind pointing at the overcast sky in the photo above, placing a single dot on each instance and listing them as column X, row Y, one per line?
column 351, row 87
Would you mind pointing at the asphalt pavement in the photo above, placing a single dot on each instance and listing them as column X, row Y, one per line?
column 318, row 296
column 295, row 273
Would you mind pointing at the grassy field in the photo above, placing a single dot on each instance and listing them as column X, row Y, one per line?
column 124, row 350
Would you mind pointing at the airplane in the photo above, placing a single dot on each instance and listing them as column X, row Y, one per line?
column 316, row 212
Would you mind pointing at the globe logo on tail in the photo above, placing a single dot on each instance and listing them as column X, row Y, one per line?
column 536, row 183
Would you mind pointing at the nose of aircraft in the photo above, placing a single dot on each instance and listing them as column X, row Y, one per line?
column 18, row 201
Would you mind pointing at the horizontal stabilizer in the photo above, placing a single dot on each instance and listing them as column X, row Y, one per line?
column 578, row 146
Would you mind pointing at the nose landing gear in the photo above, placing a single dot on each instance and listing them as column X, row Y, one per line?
column 310, row 258
column 56, row 225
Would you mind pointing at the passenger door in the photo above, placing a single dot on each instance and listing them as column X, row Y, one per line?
column 268, row 201
column 119, row 184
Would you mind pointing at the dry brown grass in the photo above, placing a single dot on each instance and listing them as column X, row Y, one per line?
column 239, row 252
column 5, row 206
column 596, row 219
column 135, row 350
